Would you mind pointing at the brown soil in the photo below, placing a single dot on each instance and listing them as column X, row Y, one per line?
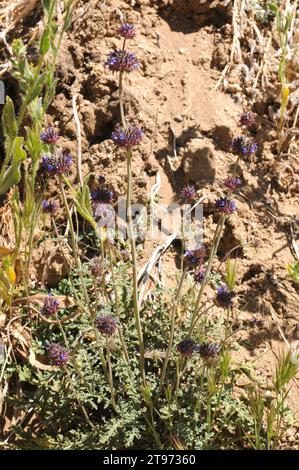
column 182, row 51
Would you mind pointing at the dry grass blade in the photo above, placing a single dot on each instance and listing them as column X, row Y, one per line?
column 38, row 299
column 15, row 11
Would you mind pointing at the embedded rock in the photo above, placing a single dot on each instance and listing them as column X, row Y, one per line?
column 199, row 161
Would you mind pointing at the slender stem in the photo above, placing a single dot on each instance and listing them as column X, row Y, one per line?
column 84, row 412
column 121, row 101
column 131, row 232
column 121, row 94
column 124, row 347
column 156, row 435
column 113, row 275
column 110, row 374
column 200, row 313
column 178, row 378
column 74, row 247
column 215, row 243
column 79, row 141
column 172, row 327
column 134, row 261
column 86, row 297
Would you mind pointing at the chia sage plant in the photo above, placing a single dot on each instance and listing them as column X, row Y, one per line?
column 105, row 365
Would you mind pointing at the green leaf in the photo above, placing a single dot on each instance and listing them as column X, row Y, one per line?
column 47, row 5
column 12, row 175
column 33, row 142
column 37, row 88
column 9, row 121
column 273, row 7
column 68, row 17
column 45, row 42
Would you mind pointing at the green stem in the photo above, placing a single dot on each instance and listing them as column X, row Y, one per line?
column 215, row 243
column 121, row 94
column 74, row 248
column 123, row 344
column 113, row 275
column 172, row 328
column 84, row 412
column 121, row 101
column 110, row 374
column 134, row 262
column 78, row 263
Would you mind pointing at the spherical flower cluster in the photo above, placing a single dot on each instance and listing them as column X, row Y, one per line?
column 96, row 266
column 50, row 306
column 50, row 207
column 101, row 180
column 127, row 31
column 225, row 205
column 106, row 324
column 189, row 193
column 57, row 163
column 49, row 136
column 128, row 137
column 199, row 274
column 209, row 350
column 232, row 183
column 255, row 322
column 57, row 354
column 102, row 195
column 247, row 119
column 187, row 347
column 122, row 61
column 244, row 147
column 224, row 296
column 196, row 257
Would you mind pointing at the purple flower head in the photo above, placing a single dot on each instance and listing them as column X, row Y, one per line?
column 102, row 180
column 127, row 31
column 57, row 164
column 189, row 193
column 238, row 144
column 196, row 257
column 49, row 136
column 232, row 183
column 128, row 137
column 50, row 207
column 243, row 147
column 199, row 274
column 255, row 322
column 256, row 243
column 209, row 350
column 106, row 324
column 252, row 147
column 247, row 119
column 105, row 215
column 187, row 347
column 224, row 296
column 57, row 354
column 122, row 61
column 96, row 266
column 102, row 195
column 225, row 205
column 50, row 306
